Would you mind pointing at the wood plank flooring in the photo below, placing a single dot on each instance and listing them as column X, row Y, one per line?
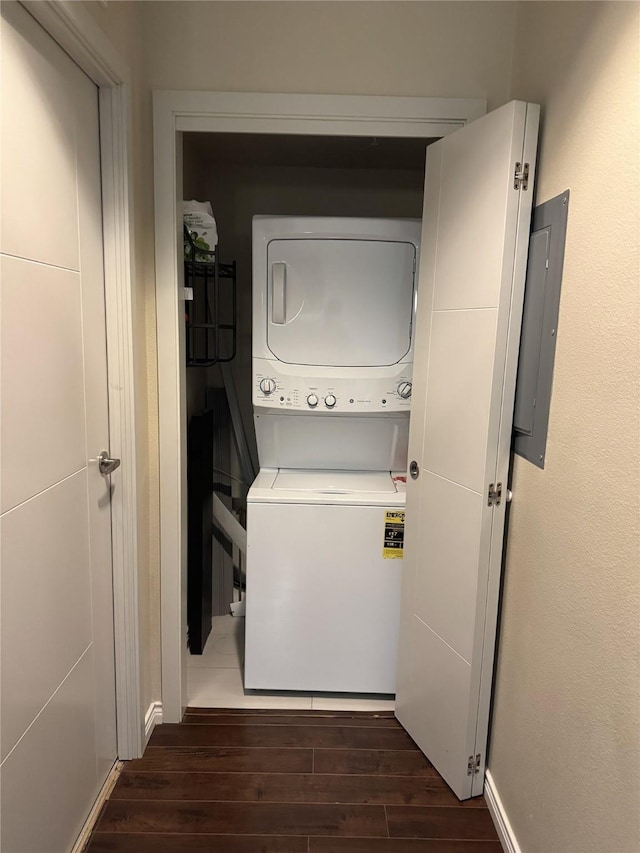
column 287, row 782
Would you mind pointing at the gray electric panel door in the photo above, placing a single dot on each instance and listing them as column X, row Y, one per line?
column 540, row 328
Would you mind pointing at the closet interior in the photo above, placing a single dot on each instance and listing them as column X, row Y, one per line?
column 242, row 176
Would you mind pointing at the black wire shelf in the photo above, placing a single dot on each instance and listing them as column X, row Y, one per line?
column 211, row 314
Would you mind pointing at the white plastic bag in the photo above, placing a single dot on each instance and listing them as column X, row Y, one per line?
column 198, row 217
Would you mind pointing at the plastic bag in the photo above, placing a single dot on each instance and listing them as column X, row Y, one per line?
column 198, row 217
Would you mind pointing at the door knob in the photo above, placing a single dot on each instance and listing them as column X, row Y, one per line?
column 106, row 464
column 414, row 469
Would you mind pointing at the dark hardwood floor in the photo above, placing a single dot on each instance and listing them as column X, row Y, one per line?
column 287, row 782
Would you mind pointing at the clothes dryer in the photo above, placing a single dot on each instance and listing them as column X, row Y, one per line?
column 334, row 304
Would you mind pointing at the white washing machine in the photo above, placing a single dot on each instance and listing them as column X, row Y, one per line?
column 333, row 317
column 324, row 565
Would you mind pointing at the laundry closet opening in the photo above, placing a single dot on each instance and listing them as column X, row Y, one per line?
column 242, row 176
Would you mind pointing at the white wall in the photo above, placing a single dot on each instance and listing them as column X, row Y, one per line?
column 440, row 49
column 565, row 740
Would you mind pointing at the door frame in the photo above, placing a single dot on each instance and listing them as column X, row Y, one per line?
column 80, row 36
column 235, row 112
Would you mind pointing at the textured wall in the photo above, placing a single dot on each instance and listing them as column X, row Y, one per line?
column 564, row 748
column 366, row 48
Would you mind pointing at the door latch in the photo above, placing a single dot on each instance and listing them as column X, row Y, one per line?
column 106, row 464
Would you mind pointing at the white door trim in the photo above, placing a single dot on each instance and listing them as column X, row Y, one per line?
column 78, row 34
column 233, row 112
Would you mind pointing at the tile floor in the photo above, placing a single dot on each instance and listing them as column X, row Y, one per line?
column 214, row 680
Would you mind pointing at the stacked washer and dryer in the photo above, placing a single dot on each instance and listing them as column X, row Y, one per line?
column 334, row 303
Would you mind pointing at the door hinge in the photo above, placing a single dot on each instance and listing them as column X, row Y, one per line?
column 473, row 765
column 521, row 176
column 494, row 495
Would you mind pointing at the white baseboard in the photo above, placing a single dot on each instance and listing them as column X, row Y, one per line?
column 103, row 796
column 496, row 809
column 152, row 718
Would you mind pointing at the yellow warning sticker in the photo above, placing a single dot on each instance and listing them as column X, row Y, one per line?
column 393, row 547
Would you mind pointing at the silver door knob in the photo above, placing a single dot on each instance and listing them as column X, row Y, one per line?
column 106, row 464
column 414, row 469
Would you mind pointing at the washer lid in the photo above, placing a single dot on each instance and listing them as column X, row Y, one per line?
column 334, row 482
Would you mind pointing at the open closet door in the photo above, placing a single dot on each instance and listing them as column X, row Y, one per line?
column 477, row 211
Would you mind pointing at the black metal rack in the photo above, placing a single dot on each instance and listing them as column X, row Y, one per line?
column 211, row 315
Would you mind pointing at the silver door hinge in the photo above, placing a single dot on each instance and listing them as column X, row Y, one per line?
column 494, row 495
column 473, row 765
column 521, row 176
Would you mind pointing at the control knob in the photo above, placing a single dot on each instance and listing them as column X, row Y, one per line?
column 404, row 390
column 267, row 386
column 312, row 401
column 330, row 401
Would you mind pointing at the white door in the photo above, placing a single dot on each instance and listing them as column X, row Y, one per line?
column 58, row 735
column 472, row 270
column 359, row 292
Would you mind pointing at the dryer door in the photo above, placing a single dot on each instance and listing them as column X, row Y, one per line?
column 340, row 303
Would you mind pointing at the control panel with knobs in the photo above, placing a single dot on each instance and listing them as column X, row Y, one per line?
column 274, row 389
column 267, row 386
